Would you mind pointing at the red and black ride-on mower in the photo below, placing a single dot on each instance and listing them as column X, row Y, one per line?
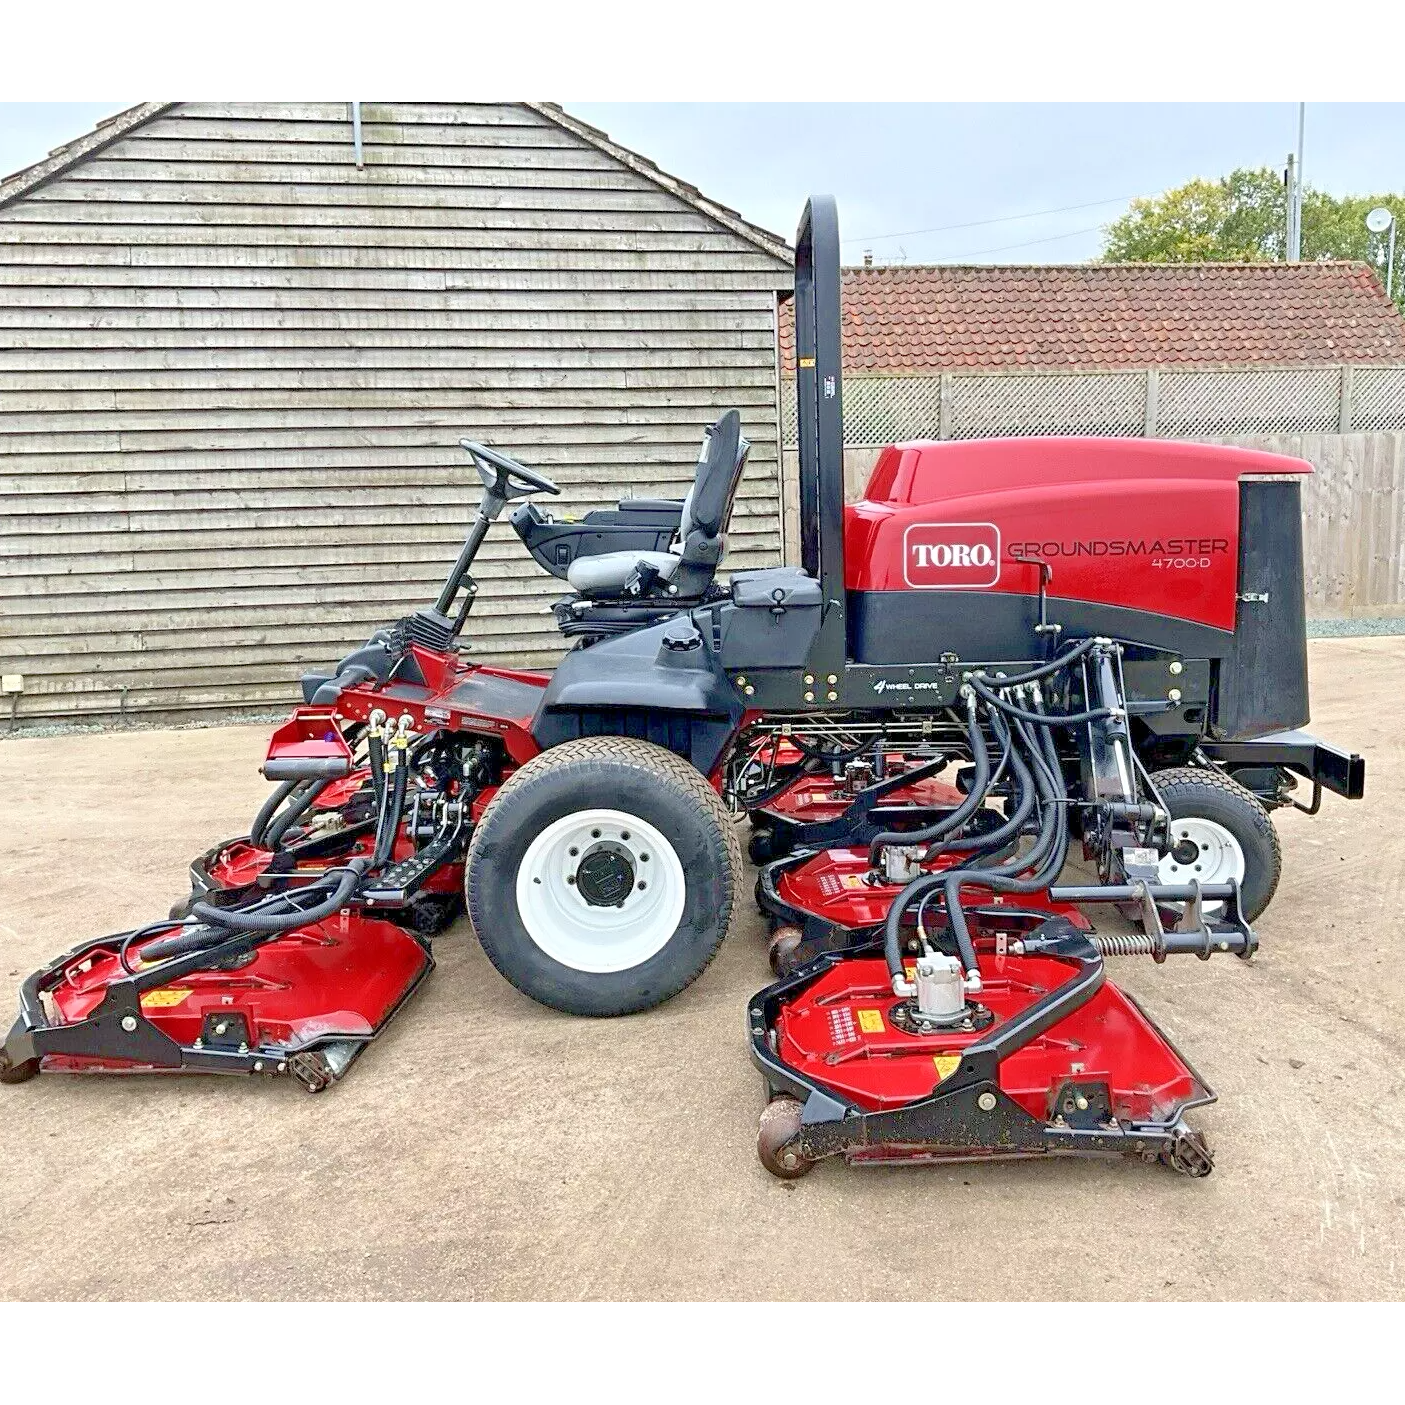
column 1003, row 648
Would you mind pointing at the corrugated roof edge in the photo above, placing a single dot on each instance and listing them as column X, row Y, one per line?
column 65, row 157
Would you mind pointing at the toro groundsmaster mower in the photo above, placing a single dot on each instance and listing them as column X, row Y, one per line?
column 1004, row 649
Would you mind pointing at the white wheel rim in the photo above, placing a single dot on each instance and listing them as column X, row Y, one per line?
column 598, row 936
column 1218, row 855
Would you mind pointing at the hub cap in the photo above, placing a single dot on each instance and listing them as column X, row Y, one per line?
column 600, row 891
column 1201, row 851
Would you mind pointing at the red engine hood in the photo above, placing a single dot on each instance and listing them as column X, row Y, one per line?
column 1148, row 524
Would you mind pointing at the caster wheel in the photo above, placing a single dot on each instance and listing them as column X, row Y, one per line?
column 312, row 1070
column 780, row 1125
column 1190, row 1155
column 760, row 848
column 181, row 910
column 785, row 942
column 18, row 1073
column 430, row 916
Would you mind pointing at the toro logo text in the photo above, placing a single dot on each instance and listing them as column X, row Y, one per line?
column 951, row 555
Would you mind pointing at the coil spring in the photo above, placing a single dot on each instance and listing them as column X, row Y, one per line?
column 1124, row 944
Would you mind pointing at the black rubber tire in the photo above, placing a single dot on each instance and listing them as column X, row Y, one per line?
column 617, row 773
column 1206, row 794
column 181, row 910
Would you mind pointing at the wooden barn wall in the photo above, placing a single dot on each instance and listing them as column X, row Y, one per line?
column 234, row 371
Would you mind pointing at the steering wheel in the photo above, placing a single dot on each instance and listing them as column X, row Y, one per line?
column 503, row 477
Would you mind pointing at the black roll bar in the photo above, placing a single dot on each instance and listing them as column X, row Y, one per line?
column 820, row 419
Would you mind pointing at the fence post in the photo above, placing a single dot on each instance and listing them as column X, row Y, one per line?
column 944, row 408
column 1348, row 385
column 1153, row 400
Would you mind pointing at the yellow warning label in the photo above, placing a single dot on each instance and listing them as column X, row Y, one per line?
column 158, row 999
column 852, row 881
column 807, row 362
column 871, row 1021
column 947, row 1064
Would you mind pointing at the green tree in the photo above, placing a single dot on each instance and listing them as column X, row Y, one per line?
column 1242, row 218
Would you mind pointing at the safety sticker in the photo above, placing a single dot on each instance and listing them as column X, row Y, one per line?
column 871, row 1021
column 947, row 1064
column 832, row 884
column 158, row 999
column 841, row 1027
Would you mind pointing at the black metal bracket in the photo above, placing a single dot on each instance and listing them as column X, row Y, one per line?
column 1341, row 772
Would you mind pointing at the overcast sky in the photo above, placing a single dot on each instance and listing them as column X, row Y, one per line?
column 901, row 168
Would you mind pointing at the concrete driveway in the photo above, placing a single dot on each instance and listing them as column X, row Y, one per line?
column 488, row 1148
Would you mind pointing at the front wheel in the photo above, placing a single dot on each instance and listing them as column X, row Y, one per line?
column 1219, row 831
column 601, row 879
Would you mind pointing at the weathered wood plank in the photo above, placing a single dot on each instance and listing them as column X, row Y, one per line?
column 454, row 114
column 221, row 346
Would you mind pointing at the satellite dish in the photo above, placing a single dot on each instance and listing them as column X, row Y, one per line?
column 1379, row 220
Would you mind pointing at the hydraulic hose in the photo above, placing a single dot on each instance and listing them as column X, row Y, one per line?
column 375, row 753
column 285, row 821
column 268, row 809
column 1046, row 858
column 975, row 798
column 274, row 922
column 1039, row 719
column 1024, row 803
column 388, row 824
column 1047, row 670
column 1049, row 858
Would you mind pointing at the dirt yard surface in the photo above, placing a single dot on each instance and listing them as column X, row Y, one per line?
column 488, row 1148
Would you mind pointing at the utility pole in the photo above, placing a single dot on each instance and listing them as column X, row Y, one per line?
column 1295, row 193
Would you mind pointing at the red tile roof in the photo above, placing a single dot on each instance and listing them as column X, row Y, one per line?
column 918, row 320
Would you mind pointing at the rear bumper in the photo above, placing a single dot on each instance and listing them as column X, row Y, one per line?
column 1341, row 772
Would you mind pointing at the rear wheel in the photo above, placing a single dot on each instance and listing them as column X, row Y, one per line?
column 602, row 877
column 1219, row 831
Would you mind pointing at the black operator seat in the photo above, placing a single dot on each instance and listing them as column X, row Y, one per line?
column 686, row 569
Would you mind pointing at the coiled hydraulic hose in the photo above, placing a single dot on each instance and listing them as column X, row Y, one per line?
column 268, row 809
column 1038, row 719
column 273, row 837
column 1024, row 798
column 347, row 876
column 1047, row 670
column 1046, row 858
column 975, row 798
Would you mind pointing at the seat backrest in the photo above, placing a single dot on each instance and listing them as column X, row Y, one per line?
column 709, row 501
column 708, row 507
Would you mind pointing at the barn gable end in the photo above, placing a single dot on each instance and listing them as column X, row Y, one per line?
column 234, row 369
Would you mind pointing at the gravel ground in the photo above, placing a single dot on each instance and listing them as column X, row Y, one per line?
column 488, row 1148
